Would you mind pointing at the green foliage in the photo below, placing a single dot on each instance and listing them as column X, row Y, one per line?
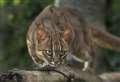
column 15, row 18
column 113, row 27
column 2, row 2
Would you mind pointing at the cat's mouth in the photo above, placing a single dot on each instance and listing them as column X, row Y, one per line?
column 56, row 63
column 50, row 64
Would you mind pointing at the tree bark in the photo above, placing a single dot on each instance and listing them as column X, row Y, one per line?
column 39, row 76
column 50, row 76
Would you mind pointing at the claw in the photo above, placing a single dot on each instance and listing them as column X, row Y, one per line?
column 86, row 65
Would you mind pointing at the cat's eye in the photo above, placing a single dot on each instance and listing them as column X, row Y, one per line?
column 48, row 52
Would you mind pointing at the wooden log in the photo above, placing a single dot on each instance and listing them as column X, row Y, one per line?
column 52, row 76
column 49, row 76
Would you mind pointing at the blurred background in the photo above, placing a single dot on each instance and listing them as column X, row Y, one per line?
column 15, row 18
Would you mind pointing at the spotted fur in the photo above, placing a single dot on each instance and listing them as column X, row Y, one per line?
column 55, row 35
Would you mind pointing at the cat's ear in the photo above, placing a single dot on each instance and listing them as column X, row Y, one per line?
column 67, row 34
column 40, row 33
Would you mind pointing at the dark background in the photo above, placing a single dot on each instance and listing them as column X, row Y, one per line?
column 15, row 18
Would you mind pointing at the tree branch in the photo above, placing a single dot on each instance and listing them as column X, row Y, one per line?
column 49, row 76
column 53, row 76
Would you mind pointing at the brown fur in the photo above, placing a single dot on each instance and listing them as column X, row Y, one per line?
column 64, row 22
column 67, row 25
